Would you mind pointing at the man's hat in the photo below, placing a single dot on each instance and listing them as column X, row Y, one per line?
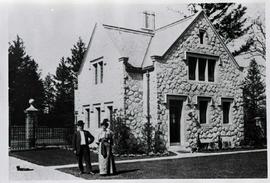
column 80, row 123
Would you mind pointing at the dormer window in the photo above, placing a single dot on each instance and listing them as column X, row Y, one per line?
column 201, row 36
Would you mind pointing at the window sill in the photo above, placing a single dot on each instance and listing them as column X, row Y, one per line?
column 206, row 126
column 202, row 82
column 226, row 125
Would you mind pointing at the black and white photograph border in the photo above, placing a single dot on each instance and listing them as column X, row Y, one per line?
column 134, row 91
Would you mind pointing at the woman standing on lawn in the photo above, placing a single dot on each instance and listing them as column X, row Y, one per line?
column 105, row 156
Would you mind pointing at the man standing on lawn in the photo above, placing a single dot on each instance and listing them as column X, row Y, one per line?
column 81, row 140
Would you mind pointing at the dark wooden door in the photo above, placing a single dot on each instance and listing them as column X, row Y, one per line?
column 175, row 118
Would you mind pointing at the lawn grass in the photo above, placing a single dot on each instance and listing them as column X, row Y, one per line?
column 56, row 156
column 242, row 165
column 231, row 149
column 49, row 157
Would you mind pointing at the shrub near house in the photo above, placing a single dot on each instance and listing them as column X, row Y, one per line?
column 180, row 78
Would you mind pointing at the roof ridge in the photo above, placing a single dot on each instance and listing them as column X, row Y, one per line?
column 128, row 29
column 176, row 22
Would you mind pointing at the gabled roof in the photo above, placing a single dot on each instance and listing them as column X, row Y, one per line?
column 87, row 50
column 165, row 37
column 130, row 43
column 139, row 45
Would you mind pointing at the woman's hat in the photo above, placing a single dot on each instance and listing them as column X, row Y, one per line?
column 105, row 122
column 80, row 123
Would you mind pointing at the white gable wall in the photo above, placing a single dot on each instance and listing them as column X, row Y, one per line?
column 109, row 93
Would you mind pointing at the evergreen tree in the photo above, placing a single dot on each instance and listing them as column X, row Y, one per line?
column 254, row 96
column 77, row 52
column 50, row 92
column 64, row 104
column 24, row 82
column 255, row 44
column 65, row 79
column 227, row 18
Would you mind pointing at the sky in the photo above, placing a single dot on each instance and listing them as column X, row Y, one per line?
column 49, row 30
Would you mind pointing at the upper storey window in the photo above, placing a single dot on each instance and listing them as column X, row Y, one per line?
column 201, row 36
column 201, row 68
column 98, row 72
column 101, row 71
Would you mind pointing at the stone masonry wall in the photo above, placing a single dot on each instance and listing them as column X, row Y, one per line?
column 172, row 78
column 134, row 102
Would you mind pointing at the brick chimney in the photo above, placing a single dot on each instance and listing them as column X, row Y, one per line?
column 148, row 21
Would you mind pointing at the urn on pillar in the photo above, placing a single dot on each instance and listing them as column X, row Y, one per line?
column 31, row 121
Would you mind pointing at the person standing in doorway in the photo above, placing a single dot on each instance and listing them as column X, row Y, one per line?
column 81, row 141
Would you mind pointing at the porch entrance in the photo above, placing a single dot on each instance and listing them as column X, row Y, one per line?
column 175, row 107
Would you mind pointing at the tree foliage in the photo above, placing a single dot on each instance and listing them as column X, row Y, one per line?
column 254, row 100
column 24, row 82
column 64, row 84
column 254, row 92
column 147, row 136
column 50, row 92
column 227, row 18
column 64, row 103
column 122, row 133
column 77, row 54
column 255, row 44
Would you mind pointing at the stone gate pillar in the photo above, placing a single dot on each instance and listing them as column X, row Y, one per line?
column 31, row 121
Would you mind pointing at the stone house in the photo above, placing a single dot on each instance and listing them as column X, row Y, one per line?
column 181, row 77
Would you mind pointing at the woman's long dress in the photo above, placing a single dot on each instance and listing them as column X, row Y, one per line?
column 105, row 156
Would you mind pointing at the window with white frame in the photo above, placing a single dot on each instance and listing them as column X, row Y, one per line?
column 101, row 71
column 226, row 110
column 203, row 105
column 201, row 36
column 211, row 70
column 98, row 116
column 98, row 72
column 201, row 68
column 192, row 63
column 87, row 117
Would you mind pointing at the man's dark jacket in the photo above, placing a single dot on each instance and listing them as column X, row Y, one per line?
column 77, row 140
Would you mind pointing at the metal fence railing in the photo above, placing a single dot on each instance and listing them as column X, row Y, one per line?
column 44, row 136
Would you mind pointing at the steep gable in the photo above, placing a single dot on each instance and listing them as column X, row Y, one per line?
column 126, row 42
column 87, row 50
column 130, row 43
column 139, row 46
column 165, row 37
